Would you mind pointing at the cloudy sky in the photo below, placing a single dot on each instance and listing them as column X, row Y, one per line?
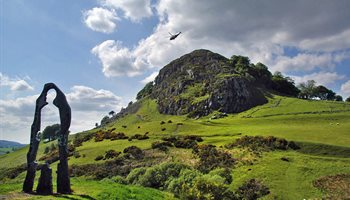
column 102, row 52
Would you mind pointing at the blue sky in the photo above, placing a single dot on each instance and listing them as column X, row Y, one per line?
column 101, row 52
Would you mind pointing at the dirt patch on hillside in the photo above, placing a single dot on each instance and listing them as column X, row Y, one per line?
column 335, row 186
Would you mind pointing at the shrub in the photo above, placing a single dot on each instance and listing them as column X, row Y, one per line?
column 111, row 154
column 133, row 152
column 259, row 143
column 186, row 178
column 224, row 173
column 163, row 129
column 159, row 176
column 211, row 158
column 134, row 175
column 13, row 172
column 252, row 190
column 76, row 154
column 139, row 137
column 187, row 142
column 118, row 179
column 102, row 170
column 207, row 187
column 161, row 145
column 47, row 150
column 100, row 157
column 99, row 136
column 162, row 122
column 118, row 136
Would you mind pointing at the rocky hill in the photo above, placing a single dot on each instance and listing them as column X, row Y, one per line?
column 201, row 82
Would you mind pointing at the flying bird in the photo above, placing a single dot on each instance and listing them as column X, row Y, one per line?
column 173, row 36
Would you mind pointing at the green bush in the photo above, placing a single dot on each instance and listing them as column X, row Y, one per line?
column 159, row 176
column 207, row 187
column 185, row 179
column 134, row 175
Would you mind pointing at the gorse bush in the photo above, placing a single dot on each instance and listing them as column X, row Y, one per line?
column 259, row 143
column 133, row 152
column 252, row 190
column 211, row 158
column 134, row 175
column 163, row 146
column 111, row 154
column 186, row 142
column 159, row 176
column 109, row 135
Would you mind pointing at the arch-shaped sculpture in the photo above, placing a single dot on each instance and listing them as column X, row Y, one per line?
column 63, row 182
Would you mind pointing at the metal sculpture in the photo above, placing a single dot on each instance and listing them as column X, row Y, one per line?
column 63, row 182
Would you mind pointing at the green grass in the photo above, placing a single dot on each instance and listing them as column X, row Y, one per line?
column 321, row 128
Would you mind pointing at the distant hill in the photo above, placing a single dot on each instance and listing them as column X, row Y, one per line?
column 10, row 144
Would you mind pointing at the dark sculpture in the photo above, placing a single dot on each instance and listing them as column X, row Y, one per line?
column 45, row 181
column 63, row 182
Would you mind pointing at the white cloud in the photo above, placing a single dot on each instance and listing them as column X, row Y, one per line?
column 150, row 78
column 304, row 62
column 321, row 78
column 15, row 84
column 100, row 19
column 259, row 30
column 88, row 107
column 345, row 89
column 116, row 59
column 134, row 10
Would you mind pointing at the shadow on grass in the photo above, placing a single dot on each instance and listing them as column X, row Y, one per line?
column 317, row 149
column 72, row 197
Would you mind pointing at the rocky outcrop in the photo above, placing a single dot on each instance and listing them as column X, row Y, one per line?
column 201, row 82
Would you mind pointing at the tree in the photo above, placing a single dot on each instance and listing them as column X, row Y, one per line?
column 284, row 85
column 324, row 93
column 241, row 64
column 50, row 132
column 104, row 120
column 261, row 74
column 111, row 113
column 307, row 90
column 347, row 99
column 338, row 98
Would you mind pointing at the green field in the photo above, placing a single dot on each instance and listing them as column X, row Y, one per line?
column 320, row 128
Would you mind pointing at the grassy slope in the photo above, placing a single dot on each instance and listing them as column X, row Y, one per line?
column 320, row 127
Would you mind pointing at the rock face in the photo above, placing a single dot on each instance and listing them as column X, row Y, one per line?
column 201, row 82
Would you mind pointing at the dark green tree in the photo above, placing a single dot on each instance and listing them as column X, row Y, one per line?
column 284, row 85
column 241, row 64
column 104, row 120
column 347, row 99
column 261, row 74
column 324, row 93
column 338, row 98
column 50, row 132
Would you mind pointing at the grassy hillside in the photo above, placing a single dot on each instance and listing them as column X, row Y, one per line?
column 320, row 128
